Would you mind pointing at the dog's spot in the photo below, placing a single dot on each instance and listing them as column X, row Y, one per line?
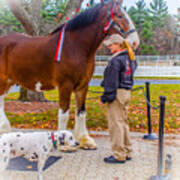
column 5, row 159
column 51, row 150
column 35, row 156
column 13, row 152
column 22, row 149
column 18, row 135
column 32, row 157
column 11, row 145
column 61, row 139
column 71, row 138
column 4, row 144
column 44, row 148
column 3, row 151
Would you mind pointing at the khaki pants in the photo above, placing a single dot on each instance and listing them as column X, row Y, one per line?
column 118, row 125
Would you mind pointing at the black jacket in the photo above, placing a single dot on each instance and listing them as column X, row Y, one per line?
column 118, row 74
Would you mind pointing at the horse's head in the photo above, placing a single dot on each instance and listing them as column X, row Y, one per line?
column 120, row 22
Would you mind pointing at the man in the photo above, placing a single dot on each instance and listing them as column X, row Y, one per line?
column 118, row 81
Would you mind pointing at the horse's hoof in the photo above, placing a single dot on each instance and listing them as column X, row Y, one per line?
column 68, row 149
column 87, row 143
column 88, row 148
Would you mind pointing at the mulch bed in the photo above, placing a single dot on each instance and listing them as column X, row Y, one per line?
column 18, row 107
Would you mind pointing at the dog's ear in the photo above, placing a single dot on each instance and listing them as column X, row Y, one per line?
column 62, row 138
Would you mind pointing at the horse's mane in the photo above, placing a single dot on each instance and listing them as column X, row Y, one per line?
column 83, row 19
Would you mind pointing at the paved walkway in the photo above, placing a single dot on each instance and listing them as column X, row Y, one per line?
column 89, row 165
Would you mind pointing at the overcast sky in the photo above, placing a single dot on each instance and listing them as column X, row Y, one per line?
column 172, row 4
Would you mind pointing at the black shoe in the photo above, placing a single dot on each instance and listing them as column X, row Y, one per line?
column 112, row 160
column 128, row 158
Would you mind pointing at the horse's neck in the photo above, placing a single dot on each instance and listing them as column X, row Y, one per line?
column 98, row 36
column 90, row 38
column 86, row 39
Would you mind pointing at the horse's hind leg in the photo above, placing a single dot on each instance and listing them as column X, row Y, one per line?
column 81, row 132
column 4, row 122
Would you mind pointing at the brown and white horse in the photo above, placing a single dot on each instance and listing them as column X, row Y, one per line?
column 29, row 62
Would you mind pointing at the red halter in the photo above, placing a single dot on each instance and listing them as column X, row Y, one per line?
column 110, row 22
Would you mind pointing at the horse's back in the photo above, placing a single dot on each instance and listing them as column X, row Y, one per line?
column 7, row 42
column 27, row 60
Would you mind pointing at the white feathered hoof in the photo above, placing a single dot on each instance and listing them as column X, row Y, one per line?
column 87, row 143
column 5, row 127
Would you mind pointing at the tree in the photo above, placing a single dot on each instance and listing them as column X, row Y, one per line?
column 167, row 37
column 33, row 14
column 159, row 12
column 147, row 41
column 7, row 21
column 138, row 13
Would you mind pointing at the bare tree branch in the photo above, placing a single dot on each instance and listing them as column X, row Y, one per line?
column 71, row 8
column 36, row 9
column 17, row 8
column 70, row 11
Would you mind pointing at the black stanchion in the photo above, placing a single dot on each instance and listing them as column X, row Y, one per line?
column 149, row 136
column 161, row 135
column 168, row 164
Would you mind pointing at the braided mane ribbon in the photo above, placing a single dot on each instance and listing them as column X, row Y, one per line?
column 57, row 57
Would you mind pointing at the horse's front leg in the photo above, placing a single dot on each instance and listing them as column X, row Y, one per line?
column 81, row 132
column 64, row 102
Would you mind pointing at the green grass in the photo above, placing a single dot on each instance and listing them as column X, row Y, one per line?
column 96, row 114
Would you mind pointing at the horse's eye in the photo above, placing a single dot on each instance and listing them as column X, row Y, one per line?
column 71, row 138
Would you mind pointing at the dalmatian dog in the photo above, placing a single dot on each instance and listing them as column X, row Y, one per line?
column 35, row 146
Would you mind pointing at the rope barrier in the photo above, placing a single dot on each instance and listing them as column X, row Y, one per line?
column 134, row 89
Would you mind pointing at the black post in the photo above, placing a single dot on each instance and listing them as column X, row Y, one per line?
column 160, row 175
column 161, row 136
column 148, row 107
column 149, row 136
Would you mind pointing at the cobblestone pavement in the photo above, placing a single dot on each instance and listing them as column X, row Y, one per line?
column 89, row 165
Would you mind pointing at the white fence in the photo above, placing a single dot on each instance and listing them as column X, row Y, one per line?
column 149, row 66
column 157, row 71
column 146, row 58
